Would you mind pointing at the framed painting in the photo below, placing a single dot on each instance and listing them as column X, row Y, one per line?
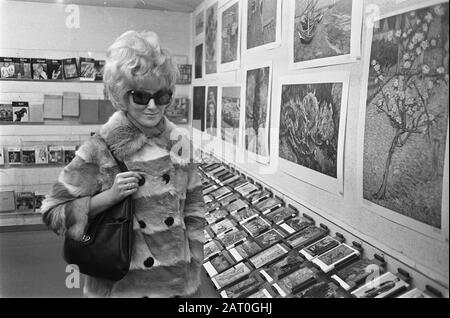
column 198, row 117
column 262, row 30
column 230, row 36
column 230, row 120
column 178, row 110
column 256, row 118
column 212, row 111
column 324, row 32
column 198, row 70
column 312, row 116
column 403, row 141
column 199, row 22
column 211, row 39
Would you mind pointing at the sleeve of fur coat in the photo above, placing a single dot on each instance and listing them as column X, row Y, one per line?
column 194, row 211
column 65, row 209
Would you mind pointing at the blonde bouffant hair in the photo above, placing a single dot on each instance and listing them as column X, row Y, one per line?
column 133, row 59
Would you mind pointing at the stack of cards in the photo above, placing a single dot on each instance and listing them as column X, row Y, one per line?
column 281, row 215
column 211, row 248
column 334, row 257
column 284, row 267
column 231, row 275
column 243, row 288
column 269, row 255
column 222, row 227
column 268, row 205
column 246, row 189
column 269, row 238
column 233, row 237
column 323, row 289
column 294, row 282
column 306, row 237
column 257, row 196
column 244, row 249
column 387, row 285
column 358, row 273
column 218, row 264
column 256, row 226
column 221, row 192
column 320, row 247
column 215, row 216
column 236, row 206
column 296, row 224
column 244, row 215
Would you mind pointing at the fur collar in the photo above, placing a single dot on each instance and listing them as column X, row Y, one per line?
column 124, row 139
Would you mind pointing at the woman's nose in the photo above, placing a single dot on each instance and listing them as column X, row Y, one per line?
column 151, row 104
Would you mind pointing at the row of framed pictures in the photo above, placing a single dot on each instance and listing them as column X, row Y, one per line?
column 259, row 248
column 402, row 131
column 321, row 32
column 37, row 154
column 28, row 201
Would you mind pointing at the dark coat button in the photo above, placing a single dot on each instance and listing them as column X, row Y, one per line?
column 169, row 221
column 142, row 224
column 166, row 178
column 149, row 262
column 141, row 182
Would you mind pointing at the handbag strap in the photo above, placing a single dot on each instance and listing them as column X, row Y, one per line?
column 122, row 166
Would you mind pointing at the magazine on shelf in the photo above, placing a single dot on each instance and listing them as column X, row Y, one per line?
column 28, row 155
column 14, row 156
column 54, row 69
column 39, row 197
column 268, row 255
column 358, row 272
column 281, row 215
column 21, row 112
column 55, row 154
column 39, row 67
column 329, row 260
column 244, row 250
column 99, row 66
column 69, row 153
column 231, row 275
column 6, row 112
column 306, row 237
column 290, row 263
column 24, row 69
column 218, row 264
column 87, row 69
column 269, row 238
column 320, row 247
column 387, row 285
column 9, row 67
column 41, row 154
column 7, row 201
column 24, row 201
column 70, row 68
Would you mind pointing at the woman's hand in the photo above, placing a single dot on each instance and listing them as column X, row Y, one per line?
column 125, row 184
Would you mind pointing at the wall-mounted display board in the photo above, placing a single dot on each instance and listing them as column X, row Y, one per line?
column 404, row 118
column 230, row 36
column 324, row 32
column 211, row 39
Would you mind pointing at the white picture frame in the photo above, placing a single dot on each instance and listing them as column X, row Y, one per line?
column 235, row 63
column 441, row 234
column 355, row 38
column 245, row 23
column 310, row 176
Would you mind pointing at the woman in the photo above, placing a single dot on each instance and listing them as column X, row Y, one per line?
column 166, row 188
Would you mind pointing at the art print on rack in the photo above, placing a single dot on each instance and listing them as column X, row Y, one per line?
column 263, row 28
column 229, row 39
column 404, row 150
column 324, row 32
column 211, row 40
column 211, row 111
column 257, row 111
column 199, row 22
column 231, row 110
column 199, row 61
column 312, row 117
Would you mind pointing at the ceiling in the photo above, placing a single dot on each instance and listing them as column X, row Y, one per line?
column 169, row 5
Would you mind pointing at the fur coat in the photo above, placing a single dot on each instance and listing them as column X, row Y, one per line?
column 169, row 224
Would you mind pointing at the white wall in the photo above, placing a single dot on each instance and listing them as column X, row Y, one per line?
column 423, row 253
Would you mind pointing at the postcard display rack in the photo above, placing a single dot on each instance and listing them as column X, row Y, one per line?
column 258, row 247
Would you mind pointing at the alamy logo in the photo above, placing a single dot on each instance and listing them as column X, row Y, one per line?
column 73, row 17
column 73, row 279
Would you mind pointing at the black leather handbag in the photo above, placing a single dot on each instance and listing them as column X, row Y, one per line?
column 105, row 250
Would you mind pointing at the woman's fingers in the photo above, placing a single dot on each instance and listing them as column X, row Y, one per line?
column 129, row 174
column 128, row 180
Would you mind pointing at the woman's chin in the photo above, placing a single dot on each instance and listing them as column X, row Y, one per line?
column 149, row 122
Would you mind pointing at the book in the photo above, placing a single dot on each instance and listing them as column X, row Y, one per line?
column 99, row 66
column 36, row 113
column 386, row 285
column 358, row 273
column 71, row 104
column 39, row 67
column 8, row 67
column 6, row 112
column 68, row 153
column 54, row 69
column 87, row 69
column 55, row 154
column 24, row 69
column 28, row 155
column 41, row 154
column 21, row 112
column 52, row 106
column 89, row 111
column 244, row 249
column 70, row 68
column 24, row 201
column 14, row 156
column 7, row 201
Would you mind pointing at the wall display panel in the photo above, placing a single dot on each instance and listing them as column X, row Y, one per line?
column 324, row 32
column 212, row 110
column 258, row 88
column 403, row 138
column 262, row 30
column 230, row 36
column 178, row 110
column 199, row 108
column 312, row 118
column 211, row 39
column 230, row 120
column 199, row 22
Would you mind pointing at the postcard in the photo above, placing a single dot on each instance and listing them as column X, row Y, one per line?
column 233, row 237
column 285, row 266
column 228, row 199
column 244, row 250
column 319, row 247
column 247, row 189
column 333, row 257
column 257, row 196
column 269, row 255
column 294, row 281
column 222, row 227
column 323, row 289
column 261, row 294
column 231, row 275
column 256, row 226
column 215, row 216
column 220, row 192
column 244, row 215
column 268, row 205
column 211, row 248
column 243, row 288
column 269, row 238
column 306, row 237
column 384, row 286
column 296, row 224
column 357, row 273
column 280, row 215
column 236, row 206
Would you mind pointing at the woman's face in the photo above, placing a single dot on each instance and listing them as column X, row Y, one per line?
column 146, row 115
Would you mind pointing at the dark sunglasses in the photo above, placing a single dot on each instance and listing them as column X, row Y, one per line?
column 162, row 97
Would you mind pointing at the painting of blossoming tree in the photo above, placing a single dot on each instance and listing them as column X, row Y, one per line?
column 407, row 114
